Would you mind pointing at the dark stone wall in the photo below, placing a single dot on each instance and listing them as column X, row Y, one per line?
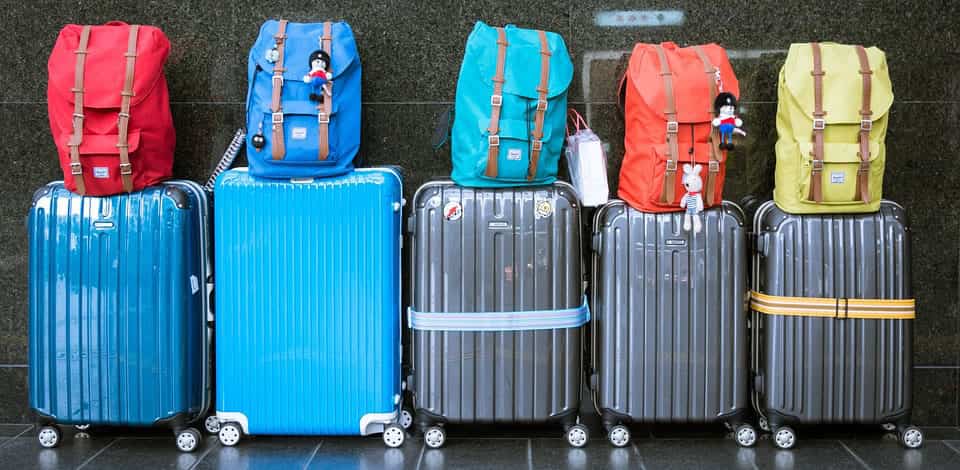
column 411, row 53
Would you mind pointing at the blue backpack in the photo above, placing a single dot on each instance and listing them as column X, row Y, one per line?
column 511, row 107
column 303, row 105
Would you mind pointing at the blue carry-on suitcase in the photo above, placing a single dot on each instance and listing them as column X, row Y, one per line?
column 308, row 295
column 119, row 309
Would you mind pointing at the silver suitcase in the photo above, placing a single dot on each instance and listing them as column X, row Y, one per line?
column 832, row 370
column 496, row 250
column 669, row 328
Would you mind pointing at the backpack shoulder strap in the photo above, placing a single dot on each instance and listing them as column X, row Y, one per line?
column 77, row 138
column 670, row 110
column 279, row 150
column 496, row 101
column 326, row 107
column 542, row 88
column 819, row 124
column 866, row 125
column 713, row 165
column 123, row 120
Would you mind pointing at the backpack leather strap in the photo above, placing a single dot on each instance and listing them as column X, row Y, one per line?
column 542, row 88
column 325, row 109
column 496, row 101
column 279, row 150
column 819, row 124
column 866, row 124
column 74, row 144
column 713, row 165
column 123, row 120
column 669, row 182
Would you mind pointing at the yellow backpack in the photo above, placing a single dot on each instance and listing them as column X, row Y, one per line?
column 833, row 102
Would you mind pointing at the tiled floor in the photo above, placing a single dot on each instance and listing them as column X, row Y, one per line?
column 109, row 449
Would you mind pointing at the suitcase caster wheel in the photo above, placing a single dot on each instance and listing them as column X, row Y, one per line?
column 394, row 435
column 82, row 427
column 406, row 418
column 785, row 438
column 577, row 436
column 911, row 437
column 746, row 435
column 889, row 427
column 229, row 434
column 188, row 440
column 764, row 424
column 49, row 437
column 434, row 437
column 212, row 424
column 619, row 436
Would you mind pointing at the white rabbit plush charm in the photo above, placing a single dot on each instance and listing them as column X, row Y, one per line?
column 692, row 201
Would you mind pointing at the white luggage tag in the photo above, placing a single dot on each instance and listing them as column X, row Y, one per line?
column 587, row 162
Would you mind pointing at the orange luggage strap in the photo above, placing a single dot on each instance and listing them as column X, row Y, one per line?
column 74, row 144
column 542, row 89
column 496, row 101
column 713, row 166
column 123, row 120
column 819, row 124
column 866, row 125
column 669, row 183
column 839, row 308
column 325, row 108
column 279, row 150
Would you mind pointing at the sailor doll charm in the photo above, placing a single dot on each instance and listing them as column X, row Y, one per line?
column 319, row 75
column 726, row 121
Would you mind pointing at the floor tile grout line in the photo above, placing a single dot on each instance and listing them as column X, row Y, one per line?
column 312, row 455
column 855, row 456
column 636, row 450
column 423, row 448
column 530, row 454
column 949, row 446
column 9, row 440
column 104, row 448
column 203, row 456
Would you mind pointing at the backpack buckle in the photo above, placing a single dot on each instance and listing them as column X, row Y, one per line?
column 714, row 166
column 126, row 169
column 818, row 165
column 537, row 145
column 76, row 169
column 671, row 165
column 673, row 127
column 277, row 80
column 493, row 140
column 541, row 105
column 864, row 167
column 322, row 118
column 866, row 125
column 819, row 124
column 496, row 100
column 277, row 118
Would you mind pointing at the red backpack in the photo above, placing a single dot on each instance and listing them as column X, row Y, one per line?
column 109, row 107
column 669, row 106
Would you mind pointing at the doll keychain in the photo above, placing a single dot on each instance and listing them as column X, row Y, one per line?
column 726, row 121
column 319, row 75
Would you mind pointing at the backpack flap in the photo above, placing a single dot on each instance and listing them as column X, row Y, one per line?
column 842, row 86
column 302, row 40
column 691, row 86
column 522, row 66
column 105, row 55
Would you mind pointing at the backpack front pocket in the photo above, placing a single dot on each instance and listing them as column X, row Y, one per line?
column 698, row 153
column 514, row 148
column 841, row 165
column 301, row 135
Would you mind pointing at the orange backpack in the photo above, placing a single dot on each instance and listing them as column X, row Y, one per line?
column 669, row 100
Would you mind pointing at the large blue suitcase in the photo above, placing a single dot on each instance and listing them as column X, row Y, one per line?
column 308, row 302
column 119, row 299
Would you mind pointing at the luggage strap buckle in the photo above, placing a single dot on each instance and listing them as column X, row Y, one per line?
column 714, row 166
column 671, row 165
column 819, row 124
column 496, row 100
column 494, row 140
column 846, row 309
column 864, row 167
column 673, row 127
column 818, row 165
column 277, row 118
column 277, row 80
column 76, row 169
column 866, row 125
column 541, row 105
column 126, row 169
column 537, row 145
column 322, row 118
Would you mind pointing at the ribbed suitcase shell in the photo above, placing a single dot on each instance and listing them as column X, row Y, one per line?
column 308, row 301
column 500, row 256
column 825, row 370
column 119, row 305
column 669, row 326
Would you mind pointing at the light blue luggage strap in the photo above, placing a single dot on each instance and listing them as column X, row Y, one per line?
column 500, row 321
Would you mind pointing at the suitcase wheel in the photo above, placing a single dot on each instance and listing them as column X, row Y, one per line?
column 577, row 436
column 49, row 437
column 619, row 436
column 911, row 437
column 188, row 439
column 230, row 434
column 785, row 437
column 746, row 435
column 212, row 424
column 406, row 418
column 82, row 427
column 394, row 435
column 434, row 437
column 889, row 427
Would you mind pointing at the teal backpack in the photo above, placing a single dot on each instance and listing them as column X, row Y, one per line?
column 511, row 107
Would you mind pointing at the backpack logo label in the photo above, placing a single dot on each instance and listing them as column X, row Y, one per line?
column 453, row 211
column 837, row 177
column 298, row 133
column 544, row 209
column 513, row 154
column 101, row 172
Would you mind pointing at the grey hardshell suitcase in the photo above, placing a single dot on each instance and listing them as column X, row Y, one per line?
column 669, row 329
column 496, row 250
column 834, row 368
